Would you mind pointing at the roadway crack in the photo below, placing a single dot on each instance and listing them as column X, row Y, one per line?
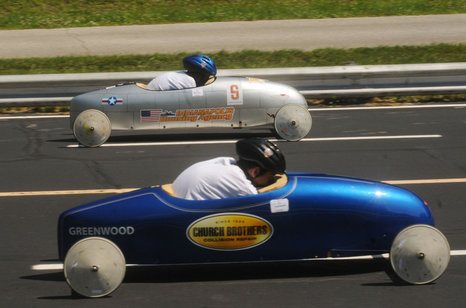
column 100, row 176
column 34, row 141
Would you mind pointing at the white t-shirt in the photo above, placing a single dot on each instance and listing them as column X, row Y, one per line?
column 172, row 81
column 213, row 179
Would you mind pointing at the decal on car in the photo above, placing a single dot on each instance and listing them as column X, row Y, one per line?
column 234, row 95
column 198, row 92
column 190, row 115
column 253, row 79
column 148, row 116
column 112, row 101
column 229, row 231
column 107, row 230
column 279, row 205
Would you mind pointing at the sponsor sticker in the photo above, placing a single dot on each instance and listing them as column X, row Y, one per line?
column 189, row 115
column 198, row 92
column 229, row 231
column 279, row 205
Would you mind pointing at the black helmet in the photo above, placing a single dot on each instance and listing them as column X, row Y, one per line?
column 262, row 152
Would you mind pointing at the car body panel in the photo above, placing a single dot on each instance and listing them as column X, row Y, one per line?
column 312, row 216
column 227, row 102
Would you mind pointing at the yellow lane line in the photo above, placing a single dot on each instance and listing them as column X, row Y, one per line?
column 426, row 181
column 124, row 190
column 65, row 192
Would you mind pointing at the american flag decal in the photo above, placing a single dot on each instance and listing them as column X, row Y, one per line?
column 150, row 115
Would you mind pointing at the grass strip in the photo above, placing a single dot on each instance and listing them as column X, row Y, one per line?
column 27, row 14
column 438, row 53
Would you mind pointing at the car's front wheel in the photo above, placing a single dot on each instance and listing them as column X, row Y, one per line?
column 94, row 267
column 92, row 128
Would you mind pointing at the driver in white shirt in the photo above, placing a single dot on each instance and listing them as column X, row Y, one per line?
column 259, row 161
column 199, row 69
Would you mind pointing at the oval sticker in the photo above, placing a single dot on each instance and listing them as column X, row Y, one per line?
column 229, row 231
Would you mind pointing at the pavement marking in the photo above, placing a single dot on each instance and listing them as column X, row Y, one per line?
column 368, row 138
column 310, row 109
column 458, row 253
column 125, row 190
column 59, row 266
column 65, row 192
column 34, row 117
column 387, row 107
column 205, row 142
column 47, row 267
column 426, row 181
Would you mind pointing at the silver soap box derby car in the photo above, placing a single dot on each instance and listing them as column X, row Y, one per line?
column 234, row 102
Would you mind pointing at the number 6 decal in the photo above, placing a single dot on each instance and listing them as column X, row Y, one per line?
column 234, row 95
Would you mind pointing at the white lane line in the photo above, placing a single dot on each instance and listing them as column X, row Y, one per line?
column 124, row 190
column 310, row 109
column 458, row 253
column 206, row 142
column 34, row 117
column 386, row 107
column 369, row 138
column 59, row 266
column 47, row 267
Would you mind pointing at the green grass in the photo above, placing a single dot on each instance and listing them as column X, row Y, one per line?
column 22, row 14
column 27, row 14
column 245, row 59
column 19, row 14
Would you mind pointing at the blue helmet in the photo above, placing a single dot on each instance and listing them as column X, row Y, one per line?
column 200, row 63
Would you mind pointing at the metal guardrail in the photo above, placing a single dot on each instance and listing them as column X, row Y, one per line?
column 312, row 82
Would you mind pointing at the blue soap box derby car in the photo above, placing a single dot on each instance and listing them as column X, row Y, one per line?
column 302, row 216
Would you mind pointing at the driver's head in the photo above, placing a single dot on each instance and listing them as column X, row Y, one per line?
column 260, row 159
column 200, row 67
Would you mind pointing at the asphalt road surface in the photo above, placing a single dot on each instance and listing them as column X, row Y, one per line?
column 421, row 144
column 303, row 34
